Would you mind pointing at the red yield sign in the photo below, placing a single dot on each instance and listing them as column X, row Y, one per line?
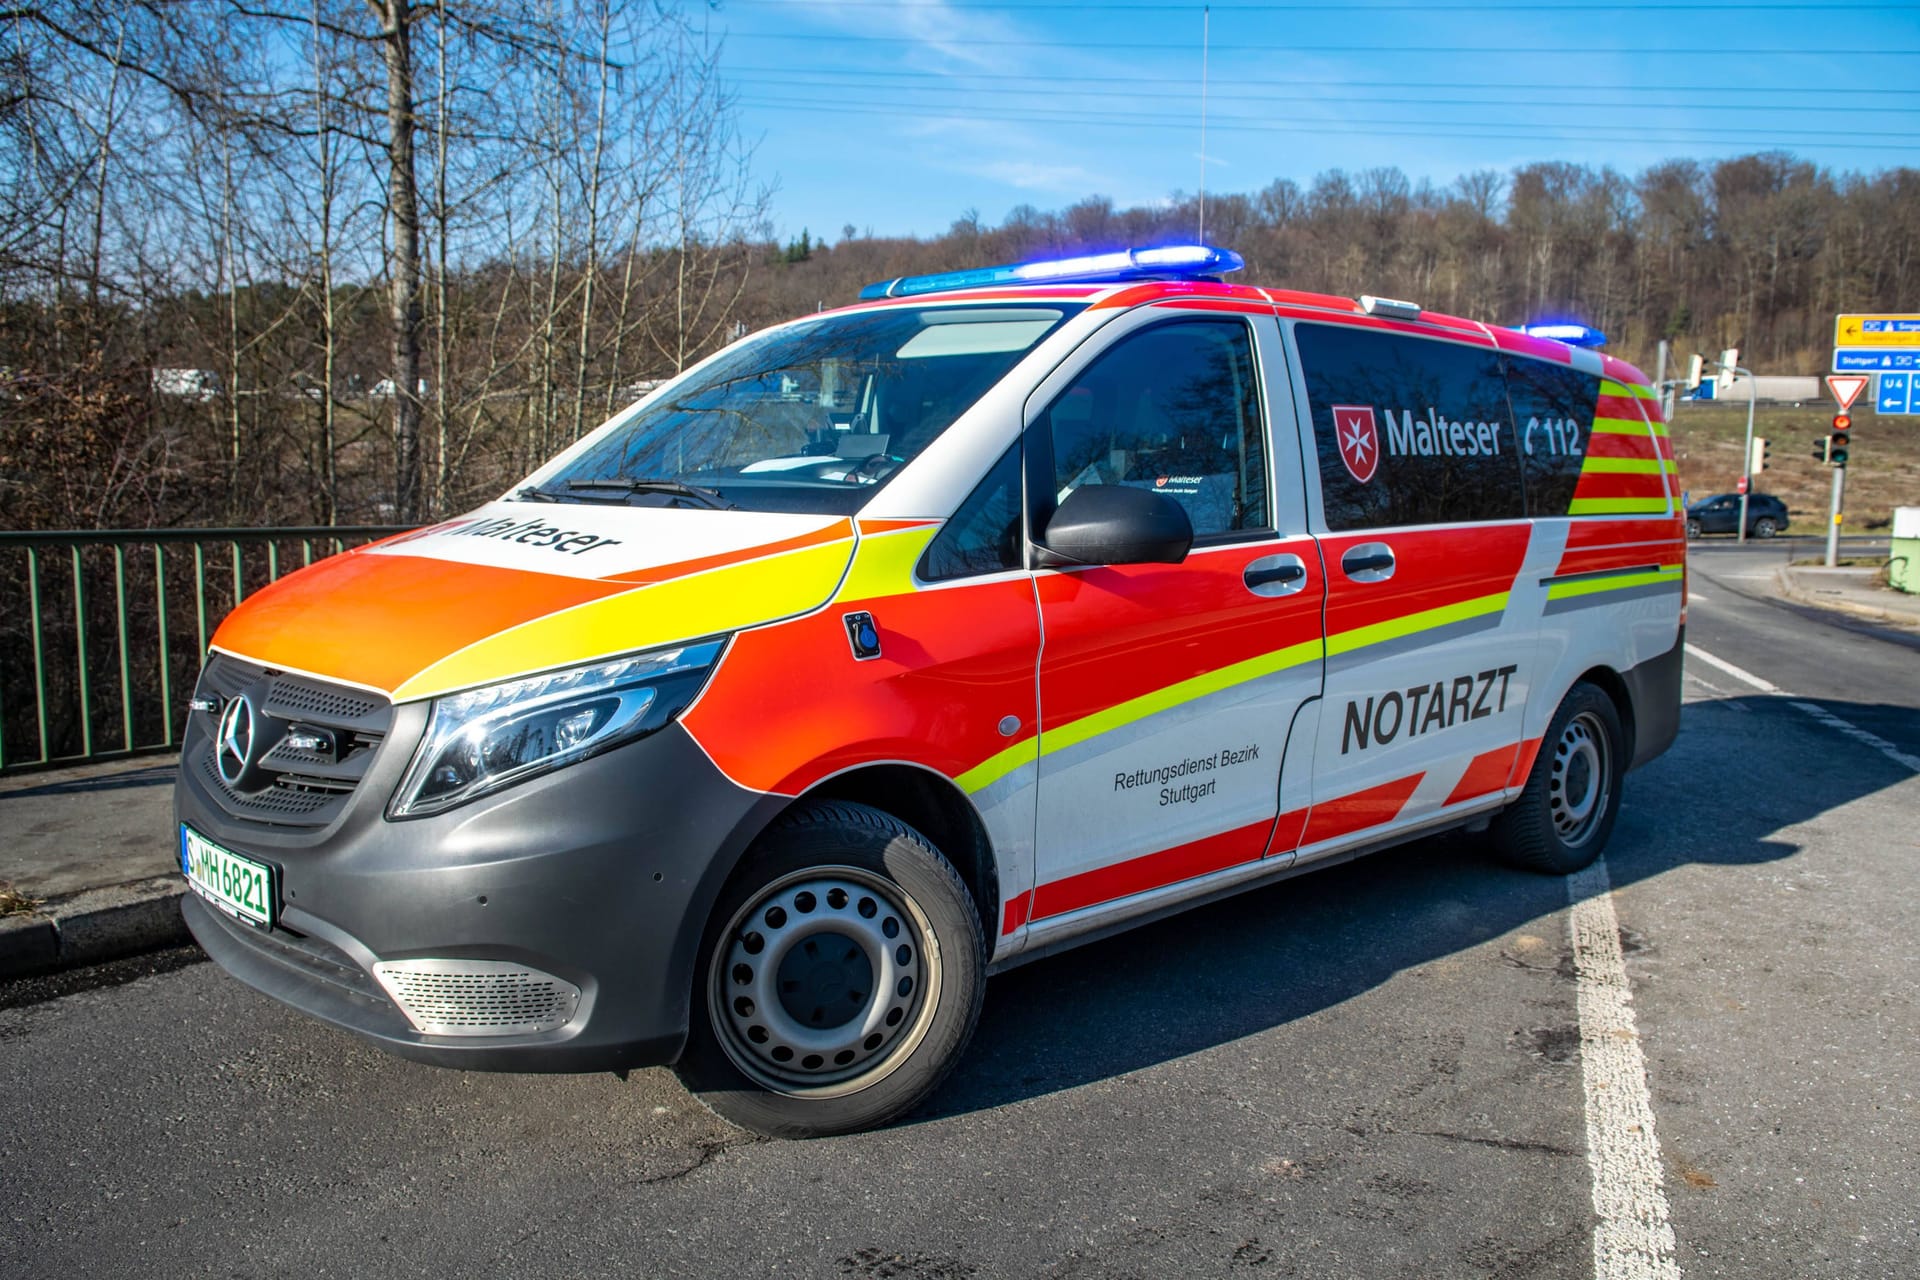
column 1846, row 388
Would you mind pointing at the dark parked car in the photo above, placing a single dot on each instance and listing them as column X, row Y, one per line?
column 1766, row 515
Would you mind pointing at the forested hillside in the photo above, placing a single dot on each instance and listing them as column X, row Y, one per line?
column 368, row 262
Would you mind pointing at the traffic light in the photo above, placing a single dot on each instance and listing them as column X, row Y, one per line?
column 1757, row 460
column 1696, row 372
column 1820, row 445
column 1837, row 442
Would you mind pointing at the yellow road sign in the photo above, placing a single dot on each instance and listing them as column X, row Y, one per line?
column 1882, row 331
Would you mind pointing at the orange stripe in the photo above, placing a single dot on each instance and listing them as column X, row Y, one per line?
column 1616, row 484
column 1154, row 870
column 1369, row 808
column 1582, row 534
column 1523, row 762
column 1609, row 444
column 1488, row 772
column 1625, row 407
column 1620, row 557
column 1016, row 913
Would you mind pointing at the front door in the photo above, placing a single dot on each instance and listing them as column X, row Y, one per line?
column 1167, row 691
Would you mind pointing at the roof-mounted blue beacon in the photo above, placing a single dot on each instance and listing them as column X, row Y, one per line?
column 1165, row 262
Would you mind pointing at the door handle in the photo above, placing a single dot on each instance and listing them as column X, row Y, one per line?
column 1368, row 562
column 1280, row 575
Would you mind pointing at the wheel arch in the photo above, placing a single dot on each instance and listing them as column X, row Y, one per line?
column 1614, row 685
column 931, row 804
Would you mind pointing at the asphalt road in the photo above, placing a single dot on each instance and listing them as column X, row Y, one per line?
column 1371, row 1071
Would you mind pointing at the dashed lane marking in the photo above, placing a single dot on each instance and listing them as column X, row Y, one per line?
column 1816, row 711
column 1633, row 1238
column 1874, row 740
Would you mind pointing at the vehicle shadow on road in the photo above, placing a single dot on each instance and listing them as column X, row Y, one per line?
column 1272, row 956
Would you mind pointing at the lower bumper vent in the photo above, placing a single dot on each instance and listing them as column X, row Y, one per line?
column 478, row 997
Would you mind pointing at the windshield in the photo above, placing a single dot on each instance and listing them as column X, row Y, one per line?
column 810, row 419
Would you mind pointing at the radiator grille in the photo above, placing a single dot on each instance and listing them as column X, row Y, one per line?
column 478, row 997
column 291, row 787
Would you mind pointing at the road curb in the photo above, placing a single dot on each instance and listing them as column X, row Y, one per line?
column 94, row 925
column 1787, row 586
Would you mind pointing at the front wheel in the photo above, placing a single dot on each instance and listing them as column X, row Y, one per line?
column 840, row 979
column 1693, row 528
column 1564, row 815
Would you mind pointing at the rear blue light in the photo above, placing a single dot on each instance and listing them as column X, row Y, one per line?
column 1567, row 331
column 1177, row 261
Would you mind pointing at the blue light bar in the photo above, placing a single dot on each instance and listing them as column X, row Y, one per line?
column 1567, row 331
column 1176, row 261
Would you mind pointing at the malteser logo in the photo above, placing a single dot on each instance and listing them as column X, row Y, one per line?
column 1359, row 439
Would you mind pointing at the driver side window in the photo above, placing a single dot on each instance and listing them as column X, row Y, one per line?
column 1176, row 409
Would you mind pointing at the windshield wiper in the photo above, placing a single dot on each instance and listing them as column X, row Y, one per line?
column 534, row 493
column 625, row 485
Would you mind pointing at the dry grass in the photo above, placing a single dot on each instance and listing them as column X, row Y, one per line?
column 15, row 903
column 1882, row 473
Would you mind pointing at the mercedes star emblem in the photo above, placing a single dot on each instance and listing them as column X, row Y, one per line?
column 233, row 750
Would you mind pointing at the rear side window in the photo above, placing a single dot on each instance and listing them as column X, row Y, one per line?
column 1174, row 408
column 1553, row 421
column 1408, row 430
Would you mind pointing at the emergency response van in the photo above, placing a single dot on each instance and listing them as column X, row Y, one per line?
column 902, row 643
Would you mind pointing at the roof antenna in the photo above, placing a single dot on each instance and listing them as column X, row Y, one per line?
column 1206, row 15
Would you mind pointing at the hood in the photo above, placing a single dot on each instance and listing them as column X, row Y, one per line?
column 515, row 588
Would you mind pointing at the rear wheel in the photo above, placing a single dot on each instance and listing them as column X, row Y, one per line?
column 1693, row 528
column 1563, row 817
column 840, row 979
column 1765, row 527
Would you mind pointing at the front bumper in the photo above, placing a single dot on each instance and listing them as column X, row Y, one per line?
column 601, row 874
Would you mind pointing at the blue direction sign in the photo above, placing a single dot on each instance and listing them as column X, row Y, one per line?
column 1869, row 360
column 1895, row 394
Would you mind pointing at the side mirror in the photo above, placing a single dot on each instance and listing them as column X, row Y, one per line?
column 1113, row 524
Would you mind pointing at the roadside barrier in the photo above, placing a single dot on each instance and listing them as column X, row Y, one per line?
column 103, row 632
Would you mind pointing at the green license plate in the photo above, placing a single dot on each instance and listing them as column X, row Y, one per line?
column 240, row 886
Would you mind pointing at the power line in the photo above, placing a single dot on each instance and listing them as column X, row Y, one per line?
column 1394, row 6
column 1584, row 51
column 1487, row 130
column 812, row 80
column 1449, row 85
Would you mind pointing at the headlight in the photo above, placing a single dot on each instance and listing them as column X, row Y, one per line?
column 485, row 739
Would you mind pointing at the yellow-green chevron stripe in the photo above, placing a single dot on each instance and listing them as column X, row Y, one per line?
column 1618, row 582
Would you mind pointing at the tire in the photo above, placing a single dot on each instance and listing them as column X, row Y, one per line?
column 840, row 978
column 1693, row 528
column 1764, row 527
column 1562, row 819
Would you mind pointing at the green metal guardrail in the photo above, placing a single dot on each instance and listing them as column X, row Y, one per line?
column 79, row 608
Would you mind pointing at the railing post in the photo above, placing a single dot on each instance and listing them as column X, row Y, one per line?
column 120, row 616
column 39, row 653
column 166, row 663
column 200, row 594
column 80, row 648
column 239, row 587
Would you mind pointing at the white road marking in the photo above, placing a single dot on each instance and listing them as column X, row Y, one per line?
column 1694, row 597
column 1820, row 713
column 1764, row 686
column 1633, row 1239
column 1858, row 734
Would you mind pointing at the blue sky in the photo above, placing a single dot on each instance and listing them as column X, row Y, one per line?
column 898, row 116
